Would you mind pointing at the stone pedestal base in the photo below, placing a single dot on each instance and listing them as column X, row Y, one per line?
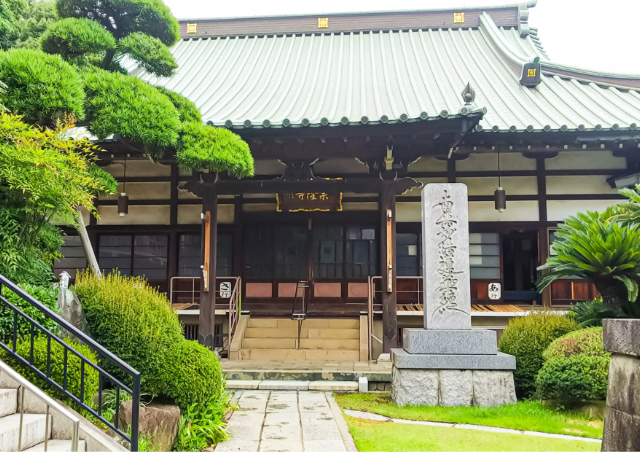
column 452, row 387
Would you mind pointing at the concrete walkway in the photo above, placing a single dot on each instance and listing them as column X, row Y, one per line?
column 286, row 421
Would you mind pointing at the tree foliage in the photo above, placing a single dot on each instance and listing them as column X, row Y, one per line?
column 73, row 37
column 186, row 109
column 41, row 87
column 152, row 55
column 44, row 177
column 33, row 22
column 127, row 106
column 600, row 249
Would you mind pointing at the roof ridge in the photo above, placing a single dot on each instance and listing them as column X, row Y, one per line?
column 624, row 81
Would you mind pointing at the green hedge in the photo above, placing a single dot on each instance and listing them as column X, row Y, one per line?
column 47, row 295
column 576, row 367
column 527, row 338
column 91, row 377
column 132, row 320
column 192, row 374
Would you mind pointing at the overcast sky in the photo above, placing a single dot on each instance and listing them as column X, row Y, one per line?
column 595, row 34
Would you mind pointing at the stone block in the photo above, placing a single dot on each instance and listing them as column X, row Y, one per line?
column 445, row 222
column 621, row 431
column 363, row 384
column 624, row 384
column 493, row 387
column 333, row 386
column 158, row 421
column 456, row 387
column 501, row 361
column 246, row 426
column 621, row 336
column 243, row 384
column 415, row 386
column 450, row 342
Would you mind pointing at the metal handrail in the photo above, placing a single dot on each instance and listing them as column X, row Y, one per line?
column 39, row 394
column 34, row 326
column 295, row 297
column 234, row 312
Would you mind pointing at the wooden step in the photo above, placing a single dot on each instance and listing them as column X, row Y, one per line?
column 330, row 333
column 331, row 355
column 330, row 344
column 269, row 343
column 272, row 332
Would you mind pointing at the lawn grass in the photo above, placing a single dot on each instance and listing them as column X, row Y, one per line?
column 525, row 415
column 390, row 436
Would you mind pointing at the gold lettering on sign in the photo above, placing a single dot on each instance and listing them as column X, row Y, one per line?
column 531, row 72
column 458, row 18
column 323, row 22
column 309, row 202
column 192, row 28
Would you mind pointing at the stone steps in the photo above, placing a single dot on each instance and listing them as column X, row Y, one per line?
column 58, row 445
column 33, row 430
column 266, row 354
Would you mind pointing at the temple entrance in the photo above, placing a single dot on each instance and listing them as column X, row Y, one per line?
column 335, row 259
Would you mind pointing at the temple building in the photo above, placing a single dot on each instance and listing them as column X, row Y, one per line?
column 348, row 116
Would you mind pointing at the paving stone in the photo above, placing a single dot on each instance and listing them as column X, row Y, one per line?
column 280, row 446
column 282, row 417
column 246, row 425
column 363, row 384
column 281, row 432
column 285, row 384
column 243, row 384
column 324, row 446
column 238, row 446
column 250, row 401
column 567, row 437
column 324, row 431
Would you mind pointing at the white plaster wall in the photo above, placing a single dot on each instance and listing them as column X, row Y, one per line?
column 190, row 213
column 559, row 210
column 489, row 162
column 516, row 211
column 585, row 160
column 269, row 167
column 588, row 185
column 408, row 212
column 520, row 185
column 359, row 206
column 136, row 215
column 424, row 164
column 137, row 168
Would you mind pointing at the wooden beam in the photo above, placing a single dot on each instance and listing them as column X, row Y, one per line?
column 207, row 318
column 388, row 265
column 543, row 235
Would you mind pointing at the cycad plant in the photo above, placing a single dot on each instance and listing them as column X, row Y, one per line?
column 629, row 213
column 596, row 247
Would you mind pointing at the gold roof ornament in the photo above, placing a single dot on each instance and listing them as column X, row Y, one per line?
column 192, row 28
column 458, row 18
column 323, row 22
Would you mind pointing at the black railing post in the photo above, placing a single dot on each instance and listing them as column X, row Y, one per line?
column 135, row 412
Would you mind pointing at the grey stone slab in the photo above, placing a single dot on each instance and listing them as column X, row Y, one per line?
column 427, row 423
column 403, row 360
column 291, row 385
column 324, row 446
column 450, row 342
column 282, row 432
column 280, row 446
column 251, row 401
column 624, row 384
column 621, row 431
column 246, row 426
column 456, row 387
column 323, row 431
column 621, row 336
column 281, row 417
column 234, row 445
column 415, row 387
column 363, row 384
column 445, row 226
column 243, row 384
column 493, row 387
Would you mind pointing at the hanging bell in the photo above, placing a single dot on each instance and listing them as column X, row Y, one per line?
column 123, row 204
column 500, row 197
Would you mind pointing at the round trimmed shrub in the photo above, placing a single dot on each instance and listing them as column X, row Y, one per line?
column 527, row 338
column 41, row 87
column 576, row 367
column 132, row 320
column 192, row 374
column 72, row 37
column 91, row 377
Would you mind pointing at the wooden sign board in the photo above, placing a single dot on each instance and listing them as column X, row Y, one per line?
column 309, row 202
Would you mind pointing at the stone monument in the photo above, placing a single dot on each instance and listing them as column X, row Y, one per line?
column 448, row 363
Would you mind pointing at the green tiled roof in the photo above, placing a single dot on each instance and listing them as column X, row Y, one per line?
column 324, row 79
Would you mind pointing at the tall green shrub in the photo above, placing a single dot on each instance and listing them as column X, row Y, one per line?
column 132, row 320
column 526, row 338
column 575, row 367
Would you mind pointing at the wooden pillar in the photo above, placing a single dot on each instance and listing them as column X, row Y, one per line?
column 388, row 264
column 207, row 318
column 173, row 221
column 543, row 235
column 237, row 236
